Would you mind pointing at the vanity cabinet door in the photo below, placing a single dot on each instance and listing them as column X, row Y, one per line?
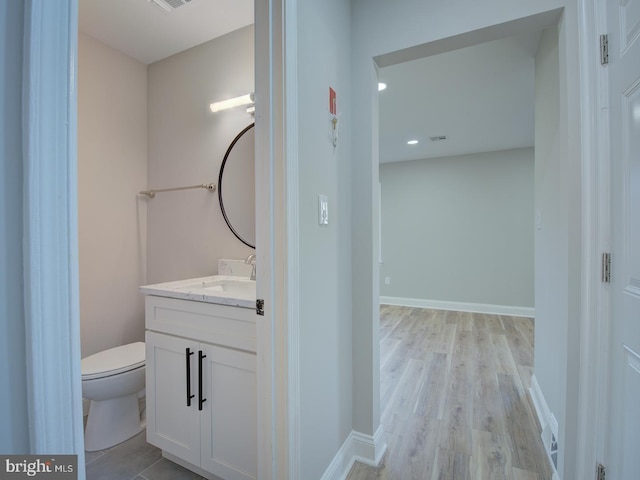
column 171, row 424
column 229, row 415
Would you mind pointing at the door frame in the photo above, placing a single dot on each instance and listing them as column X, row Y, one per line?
column 596, row 236
column 277, row 238
column 50, row 245
column 52, row 318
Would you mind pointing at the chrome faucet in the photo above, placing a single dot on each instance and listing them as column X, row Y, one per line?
column 251, row 260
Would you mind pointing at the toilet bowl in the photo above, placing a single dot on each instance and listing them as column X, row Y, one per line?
column 112, row 380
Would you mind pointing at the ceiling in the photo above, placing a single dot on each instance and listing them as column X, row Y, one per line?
column 146, row 32
column 481, row 98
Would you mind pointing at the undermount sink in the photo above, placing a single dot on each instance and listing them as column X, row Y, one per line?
column 221, row 289
column 222, row 285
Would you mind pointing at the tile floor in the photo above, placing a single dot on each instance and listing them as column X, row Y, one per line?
column 134, row 459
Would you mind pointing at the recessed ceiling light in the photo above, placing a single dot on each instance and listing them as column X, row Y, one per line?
column 412, row 142
column 381, row 86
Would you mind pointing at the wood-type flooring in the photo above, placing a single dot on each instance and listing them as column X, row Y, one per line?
column 455, row 400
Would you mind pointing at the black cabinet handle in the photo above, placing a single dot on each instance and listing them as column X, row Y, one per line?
column 200, row 399
column 189, row 396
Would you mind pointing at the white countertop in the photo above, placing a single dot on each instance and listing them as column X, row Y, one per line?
column 221, row 289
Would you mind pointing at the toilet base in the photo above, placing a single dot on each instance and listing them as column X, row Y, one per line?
column 111, row 422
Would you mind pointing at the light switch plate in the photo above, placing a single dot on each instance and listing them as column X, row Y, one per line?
column 323, row 210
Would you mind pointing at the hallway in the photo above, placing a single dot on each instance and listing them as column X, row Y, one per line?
column 454, row 398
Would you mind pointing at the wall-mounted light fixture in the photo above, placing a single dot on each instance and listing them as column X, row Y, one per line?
column 247, row 99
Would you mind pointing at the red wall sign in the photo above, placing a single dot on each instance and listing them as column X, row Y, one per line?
column 332, row 101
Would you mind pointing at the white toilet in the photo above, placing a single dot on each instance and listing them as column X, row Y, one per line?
column 112, row 380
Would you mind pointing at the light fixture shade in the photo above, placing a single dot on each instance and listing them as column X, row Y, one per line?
column 232, row 102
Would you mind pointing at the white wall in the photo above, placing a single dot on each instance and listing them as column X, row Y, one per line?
column 14, row 436
column 551, row 285
column 325, row 269
column 186, row 230
column 380, row 28
column 140, row 126
column 459, row 229
column 112, row 169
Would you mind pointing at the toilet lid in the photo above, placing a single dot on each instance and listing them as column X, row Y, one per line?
column 113, row 361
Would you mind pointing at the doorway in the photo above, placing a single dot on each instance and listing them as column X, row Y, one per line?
column 438, row 208
column 53, row 338
column 551, row 240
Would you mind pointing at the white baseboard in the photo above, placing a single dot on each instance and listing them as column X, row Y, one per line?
column 359, row 447
column 547, row 419
column 539, row 402
column 460, row 306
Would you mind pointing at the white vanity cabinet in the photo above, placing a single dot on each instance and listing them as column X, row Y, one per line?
column 201, row 386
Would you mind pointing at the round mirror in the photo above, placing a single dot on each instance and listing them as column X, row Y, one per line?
column 236, row 187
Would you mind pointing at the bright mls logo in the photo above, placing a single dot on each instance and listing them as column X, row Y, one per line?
column 51, row 467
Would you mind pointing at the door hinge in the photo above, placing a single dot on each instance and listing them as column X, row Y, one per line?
column 604, row 49
column 606, row 268
column 260, row 306
column 600, row 472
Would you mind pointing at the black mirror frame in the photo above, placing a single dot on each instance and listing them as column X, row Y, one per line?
column 224, row 161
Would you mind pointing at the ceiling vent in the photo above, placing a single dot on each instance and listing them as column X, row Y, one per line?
column 169, row 5
column 438, row 138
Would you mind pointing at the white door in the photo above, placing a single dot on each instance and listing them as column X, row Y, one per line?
column 623, row 429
